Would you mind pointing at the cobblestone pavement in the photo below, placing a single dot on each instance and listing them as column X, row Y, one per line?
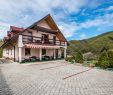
column 46, row 78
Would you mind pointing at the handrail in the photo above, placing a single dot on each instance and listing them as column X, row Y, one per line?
column 35, row 39
column 31, row 36
column 39, row 37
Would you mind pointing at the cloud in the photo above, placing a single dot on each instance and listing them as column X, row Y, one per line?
column 83, row 36
column 104, row 10
column 15, row 9
column 68, row 29
column 23, row 13
column 3, row 29
column 98, row 21
column 109, row 8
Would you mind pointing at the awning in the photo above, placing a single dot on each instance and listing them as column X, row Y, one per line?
column 41, row 46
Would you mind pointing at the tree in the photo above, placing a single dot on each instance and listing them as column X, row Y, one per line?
column 104, row 49
column 71, row 50
column 79, row 57
column 103, row 60
column 1, row 51
column 110, row 55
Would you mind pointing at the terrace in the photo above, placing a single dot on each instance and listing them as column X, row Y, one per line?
column 40, row 40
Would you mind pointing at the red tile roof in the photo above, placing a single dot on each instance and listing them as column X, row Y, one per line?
column 5, row 38
column 13, row 28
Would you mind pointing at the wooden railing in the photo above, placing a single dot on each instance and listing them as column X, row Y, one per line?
column 38, row 40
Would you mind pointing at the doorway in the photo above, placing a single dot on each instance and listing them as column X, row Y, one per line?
column 45, row 38
column 54, row 40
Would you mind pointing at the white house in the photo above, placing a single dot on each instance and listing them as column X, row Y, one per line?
column 41, row 39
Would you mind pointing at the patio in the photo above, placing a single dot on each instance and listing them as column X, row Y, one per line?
column 47, row 78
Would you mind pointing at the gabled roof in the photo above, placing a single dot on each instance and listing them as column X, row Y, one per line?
column 53, row 25
column 50, row 22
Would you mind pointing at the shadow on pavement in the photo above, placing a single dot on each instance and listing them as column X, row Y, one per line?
column 4, row 88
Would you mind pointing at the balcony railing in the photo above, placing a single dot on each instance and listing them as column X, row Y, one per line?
column 38, row 40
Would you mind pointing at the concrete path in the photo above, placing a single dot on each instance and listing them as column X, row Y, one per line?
column 49, row 78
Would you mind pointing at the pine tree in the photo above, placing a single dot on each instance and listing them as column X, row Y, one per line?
column 79, row 57
column 103, row 61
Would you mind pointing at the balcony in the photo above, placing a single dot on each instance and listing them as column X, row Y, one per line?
column 38, row 40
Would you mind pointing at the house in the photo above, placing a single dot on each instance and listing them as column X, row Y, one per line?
column 43, row 38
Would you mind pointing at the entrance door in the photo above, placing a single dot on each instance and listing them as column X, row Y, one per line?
column 56, row 51
column 45, row 38
column 62, row 54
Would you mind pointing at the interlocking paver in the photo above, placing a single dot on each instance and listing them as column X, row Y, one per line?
column 28, row 79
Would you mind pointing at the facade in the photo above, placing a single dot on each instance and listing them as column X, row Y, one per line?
column 43, row 38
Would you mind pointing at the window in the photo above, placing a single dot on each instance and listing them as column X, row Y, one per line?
column 11, row 51
column 7, row 51
column 43, row 51
column 30, row 39
column 30, row 33
column 27, row 51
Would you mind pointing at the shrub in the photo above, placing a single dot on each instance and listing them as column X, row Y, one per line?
column 79, row 57
column 103, row 61
column 70, row 59
column 1, row 51
column 110, row 55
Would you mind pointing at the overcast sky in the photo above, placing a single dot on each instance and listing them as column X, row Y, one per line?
column 77, row 19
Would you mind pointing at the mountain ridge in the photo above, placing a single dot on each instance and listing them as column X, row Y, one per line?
column 94, row 44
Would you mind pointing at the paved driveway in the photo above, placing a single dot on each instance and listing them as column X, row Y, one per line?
column 54, row 78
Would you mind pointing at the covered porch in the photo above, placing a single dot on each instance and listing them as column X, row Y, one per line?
column 36, row 52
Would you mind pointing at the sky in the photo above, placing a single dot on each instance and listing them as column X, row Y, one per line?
column 77, row 19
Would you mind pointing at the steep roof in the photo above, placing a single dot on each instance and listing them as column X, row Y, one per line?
column 53, row 25
column 50, row 22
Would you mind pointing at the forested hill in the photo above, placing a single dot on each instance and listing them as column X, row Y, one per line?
column 94, row 44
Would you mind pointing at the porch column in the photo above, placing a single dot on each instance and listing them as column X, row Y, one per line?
column 20, row 54
column 54, row 53
column 40, row 54
column 65, row 53
column 65, row 48
column 20, row 45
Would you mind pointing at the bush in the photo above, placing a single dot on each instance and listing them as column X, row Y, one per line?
column 1, row 51
column 70, row 59
column 103, row 61
column 110, row 55
column 79, row 57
